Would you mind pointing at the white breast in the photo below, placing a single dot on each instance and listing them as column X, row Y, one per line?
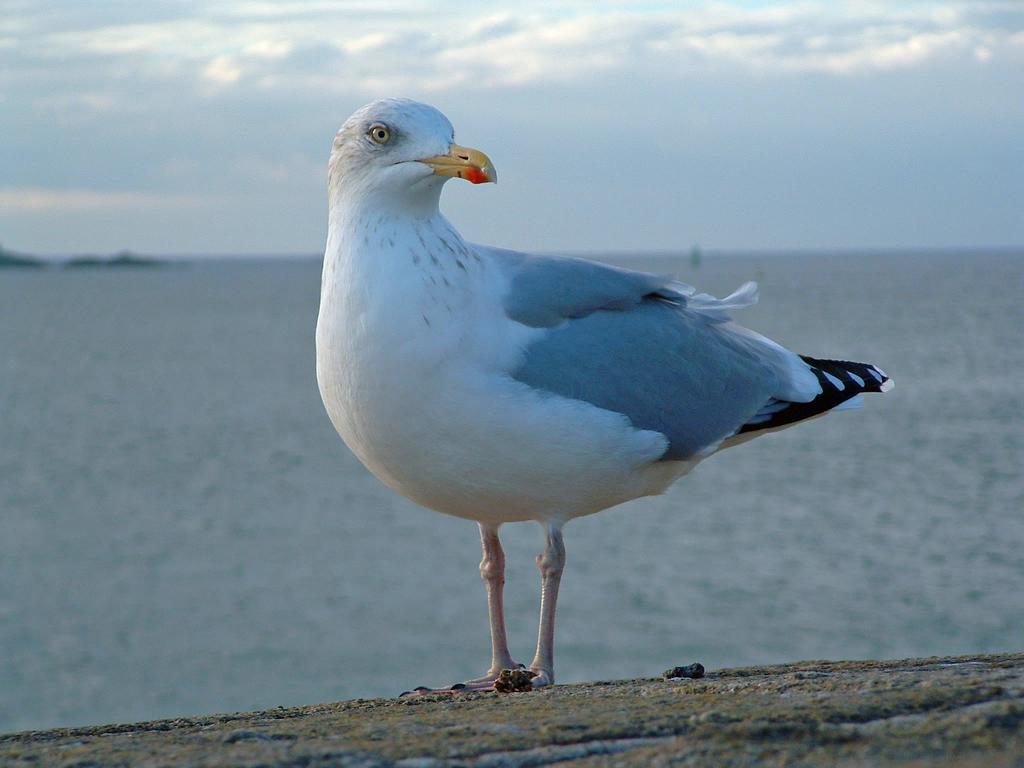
column 413, row 362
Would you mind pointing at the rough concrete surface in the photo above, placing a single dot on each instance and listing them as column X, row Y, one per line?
column 964, row 711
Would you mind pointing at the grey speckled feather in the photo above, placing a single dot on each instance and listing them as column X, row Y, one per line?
column 648, row 348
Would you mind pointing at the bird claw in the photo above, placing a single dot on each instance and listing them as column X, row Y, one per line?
column 540, row 678
column 517, row 678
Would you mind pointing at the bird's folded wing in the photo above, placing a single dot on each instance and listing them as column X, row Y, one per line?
column 652, row 349
column 546, row 291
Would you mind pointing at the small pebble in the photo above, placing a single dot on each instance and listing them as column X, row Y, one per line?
column 692, row 671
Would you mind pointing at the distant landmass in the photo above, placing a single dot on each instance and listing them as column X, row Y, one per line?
column 12, row 259
column 120, row 259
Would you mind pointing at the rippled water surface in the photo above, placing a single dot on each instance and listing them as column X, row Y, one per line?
column 183, row 532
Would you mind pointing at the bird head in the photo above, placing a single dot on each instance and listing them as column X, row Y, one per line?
column 400, row 149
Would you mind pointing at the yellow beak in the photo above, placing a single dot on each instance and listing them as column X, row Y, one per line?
column 465, row 163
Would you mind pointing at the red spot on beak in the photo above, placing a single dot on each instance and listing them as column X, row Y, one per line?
column 475, row 175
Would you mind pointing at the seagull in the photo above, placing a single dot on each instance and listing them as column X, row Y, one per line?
column 500, row 386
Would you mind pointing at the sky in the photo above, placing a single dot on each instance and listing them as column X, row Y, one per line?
column 184, row 127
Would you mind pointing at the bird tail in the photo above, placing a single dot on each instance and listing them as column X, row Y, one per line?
column 842, row 384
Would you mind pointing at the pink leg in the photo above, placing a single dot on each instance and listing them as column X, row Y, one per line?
column 492, row 571
column 550, row 562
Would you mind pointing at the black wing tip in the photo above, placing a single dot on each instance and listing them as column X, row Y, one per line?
column 840, row 380
column 862, row 376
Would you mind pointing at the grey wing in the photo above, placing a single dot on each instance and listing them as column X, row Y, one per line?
column 548, row 290
column 648, row 348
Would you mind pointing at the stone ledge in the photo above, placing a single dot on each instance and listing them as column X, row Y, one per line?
column 964, row 711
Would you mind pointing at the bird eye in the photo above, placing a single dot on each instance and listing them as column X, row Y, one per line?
column 380, row 134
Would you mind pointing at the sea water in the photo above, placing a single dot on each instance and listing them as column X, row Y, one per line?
column 182, row 532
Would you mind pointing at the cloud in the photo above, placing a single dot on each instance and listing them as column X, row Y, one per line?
column 269, row 49
column 228, row 108
column 222, row 70
column 410, row 46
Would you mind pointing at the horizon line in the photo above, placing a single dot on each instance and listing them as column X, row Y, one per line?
column 703, row 251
